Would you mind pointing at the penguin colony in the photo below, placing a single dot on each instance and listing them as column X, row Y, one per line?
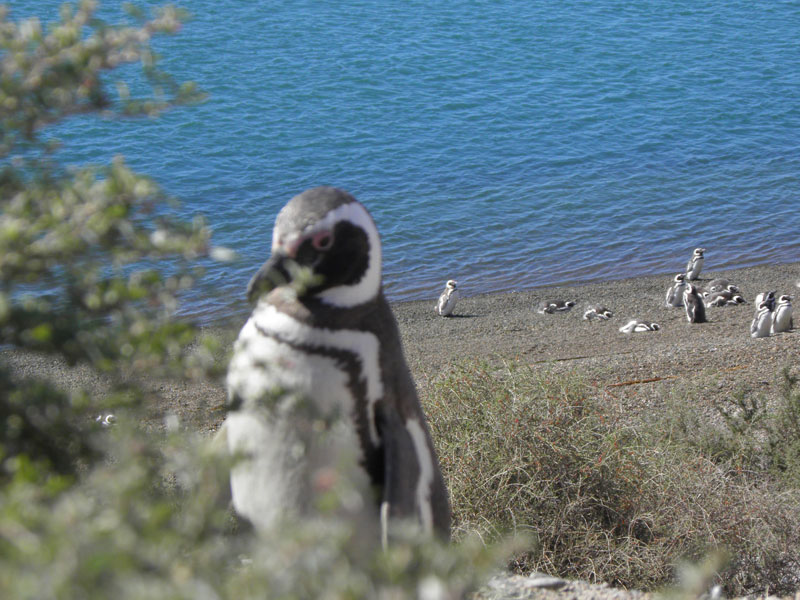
column 320, row 396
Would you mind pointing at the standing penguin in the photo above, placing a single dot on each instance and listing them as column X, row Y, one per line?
column 675, row 291
column 693, row 303
column 762, row 321
column 320, row 396
column 695, row 264
column 767, row 298
column 782, row 317
column 448, row 299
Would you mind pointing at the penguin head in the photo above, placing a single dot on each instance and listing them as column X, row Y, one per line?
column 655, row 326
column 324, row 244
column 451, row 284
column 698, row 252
column 679, row 278
column 785, row 299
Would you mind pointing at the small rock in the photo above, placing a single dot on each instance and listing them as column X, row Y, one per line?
column 542, row 581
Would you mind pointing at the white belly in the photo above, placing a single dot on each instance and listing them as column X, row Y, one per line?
column 294, row 432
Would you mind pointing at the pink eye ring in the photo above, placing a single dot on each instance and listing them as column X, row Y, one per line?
column 322, row 240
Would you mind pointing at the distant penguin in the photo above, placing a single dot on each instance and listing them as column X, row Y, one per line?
column 695, row 264
column 320, row 398
column 762, row 321
column 597, row 312
column 720, row 285
column 782, row 317
column 636, row 326
column 554, row 306
column 693, row 303
column 723, row 297
column 448, row 299
column 674, row 298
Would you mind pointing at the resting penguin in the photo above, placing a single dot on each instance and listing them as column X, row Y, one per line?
column 722, row 298
column 720, row 284
column 596, row 311
column 549, row 307
column 634, row 325
column 320, row 396
column 448, row 299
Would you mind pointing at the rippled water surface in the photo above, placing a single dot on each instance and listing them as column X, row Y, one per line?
column 503, row 144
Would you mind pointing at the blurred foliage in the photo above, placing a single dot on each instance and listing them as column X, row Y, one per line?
column 93, row 263
column 83, row 251
column 606, row 497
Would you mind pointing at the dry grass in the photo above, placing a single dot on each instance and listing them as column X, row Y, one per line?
column 608, row 499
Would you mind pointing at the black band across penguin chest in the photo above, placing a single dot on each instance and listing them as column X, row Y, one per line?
column 351, row 364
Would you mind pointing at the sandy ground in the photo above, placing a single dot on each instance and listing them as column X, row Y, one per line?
column 713, row 359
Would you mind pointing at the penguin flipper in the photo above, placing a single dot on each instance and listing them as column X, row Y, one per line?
column 401, row 468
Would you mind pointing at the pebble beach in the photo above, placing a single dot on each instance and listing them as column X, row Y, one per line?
column 715, row 358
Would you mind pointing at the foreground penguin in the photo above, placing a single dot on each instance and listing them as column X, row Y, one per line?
column 782, row 317
column 693, row 303
column 320, row 396
column 695, row 264
column 448, row 299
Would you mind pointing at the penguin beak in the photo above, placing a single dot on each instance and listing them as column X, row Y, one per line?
column 273, row 273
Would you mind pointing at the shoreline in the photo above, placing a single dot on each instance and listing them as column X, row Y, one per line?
column 506, row 327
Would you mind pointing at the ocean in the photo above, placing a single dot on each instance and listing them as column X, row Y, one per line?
column 504, row 144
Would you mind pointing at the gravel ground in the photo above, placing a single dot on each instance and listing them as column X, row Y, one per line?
column 713, row 359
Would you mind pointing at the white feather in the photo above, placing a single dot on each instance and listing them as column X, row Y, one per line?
column 425, row 481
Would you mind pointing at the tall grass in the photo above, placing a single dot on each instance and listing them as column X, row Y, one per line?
column 607, row 498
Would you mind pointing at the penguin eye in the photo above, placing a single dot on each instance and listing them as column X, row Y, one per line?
column 322, row 241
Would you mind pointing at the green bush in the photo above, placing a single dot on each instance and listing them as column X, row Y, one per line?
column 124, row 511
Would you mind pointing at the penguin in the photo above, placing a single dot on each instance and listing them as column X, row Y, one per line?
column 719, row 285
column 695, row 264
column 448, row 299
column 693, row 303
column 320, row 398
column 597, row 312
column 768, row 298
column 555, row 306
column 637, row 326
column 762, row 321
column 782, row 317
column 674, row 298
column 723, row 297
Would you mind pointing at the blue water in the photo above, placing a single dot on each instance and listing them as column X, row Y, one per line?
column 503, row 144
